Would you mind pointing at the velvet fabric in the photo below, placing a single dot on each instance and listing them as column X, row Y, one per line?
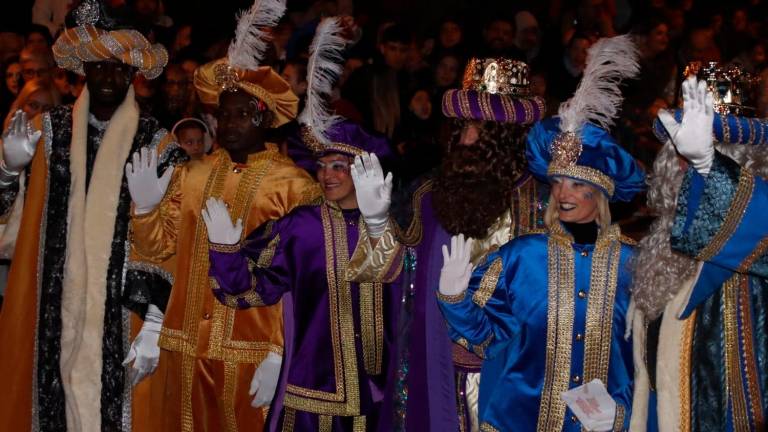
column 726, row 129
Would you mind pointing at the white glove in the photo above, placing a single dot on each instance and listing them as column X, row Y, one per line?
column 374, row 192
column 221, row 230
column 264, row 381
column 145, row 352
column 592, row 405
column 147, row 190
column 693, row 136
column 19, row 144
column 457, row 267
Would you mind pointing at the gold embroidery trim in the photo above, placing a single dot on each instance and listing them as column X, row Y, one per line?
column 452, row 298
column 685, row 372
column 358, row 424
column 488, row 283
column 225, row 248
column 486, row 427
column 585, row 173
column 757, row 252
column 750, row 361
column 372, row 325
column 346, row 400
column 412, row 236
column 289, row 419
column 230, row 381
column 187, row 373
column 325, row 423
column 266, row 255
column 602, row 294
column 479, row 350
column 733, row 218
column 560, row 312
column 618, row 423
column 733, row 377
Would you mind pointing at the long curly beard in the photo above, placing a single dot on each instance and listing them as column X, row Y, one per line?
column 472, row 189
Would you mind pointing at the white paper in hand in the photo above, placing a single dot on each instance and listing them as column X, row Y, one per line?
column 592, row 404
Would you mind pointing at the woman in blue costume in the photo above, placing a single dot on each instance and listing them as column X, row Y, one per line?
column 549, row 309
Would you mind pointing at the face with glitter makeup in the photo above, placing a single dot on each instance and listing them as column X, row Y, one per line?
column 575, row 200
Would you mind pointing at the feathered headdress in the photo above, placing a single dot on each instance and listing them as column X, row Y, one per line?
column 598, row 97
column 323, row 69
column 251, row 39
column 577, row 144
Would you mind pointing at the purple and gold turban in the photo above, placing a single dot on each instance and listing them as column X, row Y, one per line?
column 88, row 43
column 494, row 89
column 211, row 79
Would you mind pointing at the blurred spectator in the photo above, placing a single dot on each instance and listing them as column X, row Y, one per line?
column 192, row 135
column 148, row 97
column 379, row 90
column 36, row 63
column 38, row 37
column 590, row 17
column 177, row 96
column 11, row 44
column 295, row 73
column 658, row 71
column 181, row 41
column 565, row 75
column 499, row 40
column 65, row 82
column 736, row 35
column 11, row 84
column 449, row 40
column 699, row 45
column 35, row 97
column 418, row 148
column 753, row 58
column 527, row 35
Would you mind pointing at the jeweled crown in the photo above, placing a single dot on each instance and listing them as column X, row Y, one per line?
column 497, row 76
column 734, row 90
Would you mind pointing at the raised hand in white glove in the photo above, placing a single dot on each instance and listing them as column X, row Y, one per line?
column 457, row 267
column 374, row 192
column 693, row 136
column 146, row 188
column 19, row 144
column 145, row 352
column 221, row 230
column 592, row 405
column 264, row 381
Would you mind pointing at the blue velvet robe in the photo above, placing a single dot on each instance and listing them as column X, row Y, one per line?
column 549, row 315
column 721, row 221
column 339, row 334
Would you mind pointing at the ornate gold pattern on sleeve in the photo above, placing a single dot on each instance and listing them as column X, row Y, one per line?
column 452, row 298
column 485, row 427
column 488, row 283
column 224, row 248
column 412, row 236
column 733, row 218
column 266, row 255
column 618, row 423
column 381, row 263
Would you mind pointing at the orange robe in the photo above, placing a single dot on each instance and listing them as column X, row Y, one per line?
column 210, row 352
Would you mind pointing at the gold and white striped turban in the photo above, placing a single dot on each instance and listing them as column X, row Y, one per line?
column 87, row 43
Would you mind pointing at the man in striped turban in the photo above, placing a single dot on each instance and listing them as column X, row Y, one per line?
column 66, row 325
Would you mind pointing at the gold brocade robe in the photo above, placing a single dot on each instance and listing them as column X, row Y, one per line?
column 203, row 340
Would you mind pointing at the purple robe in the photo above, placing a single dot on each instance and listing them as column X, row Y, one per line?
column 339, row 335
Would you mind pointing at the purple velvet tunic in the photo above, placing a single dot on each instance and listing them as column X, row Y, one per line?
column 339, row 335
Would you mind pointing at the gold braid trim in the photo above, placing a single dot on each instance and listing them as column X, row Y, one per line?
column 733, row 218
column 618, row 423
column 412, row 236
column 750, row 361
column 452, row 298
column 733, row 376
column 757, row 252
column 686, row 345
column 488, row 283
column 225, row 248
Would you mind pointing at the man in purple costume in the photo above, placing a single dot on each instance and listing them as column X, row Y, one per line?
column 483, row 190
column 339, row 334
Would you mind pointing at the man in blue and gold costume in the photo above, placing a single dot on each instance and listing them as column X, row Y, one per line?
column 700, row 329
column 549, row 309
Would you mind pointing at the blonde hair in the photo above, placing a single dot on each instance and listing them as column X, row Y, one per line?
column 603, row 219
column 29, row 89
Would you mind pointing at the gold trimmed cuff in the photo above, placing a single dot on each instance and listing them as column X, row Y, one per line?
column 618, row 423
column 488, row 283
column 224, row 248
column 452, row 299
column 585, row 173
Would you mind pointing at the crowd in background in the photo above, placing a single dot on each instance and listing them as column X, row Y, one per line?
column 395, row 75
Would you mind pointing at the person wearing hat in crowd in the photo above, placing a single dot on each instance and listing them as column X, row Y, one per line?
column 345, row 330
column 63, row 330
column 549, row 309
column 193, row 137
column 210, row 355
column 438, row 377
column 699, row 328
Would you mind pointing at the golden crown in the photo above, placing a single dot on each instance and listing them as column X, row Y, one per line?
column 497, row 76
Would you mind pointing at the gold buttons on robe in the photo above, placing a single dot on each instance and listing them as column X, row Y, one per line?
column 585, row 253
column 576, row 379
column 206, row 316
column 579, row 337
column 582, row 294
column 574, row 419
column 237, row 170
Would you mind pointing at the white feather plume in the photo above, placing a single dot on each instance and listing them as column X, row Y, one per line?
column 598, row 96
column 251, row 38
column 323, row 69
